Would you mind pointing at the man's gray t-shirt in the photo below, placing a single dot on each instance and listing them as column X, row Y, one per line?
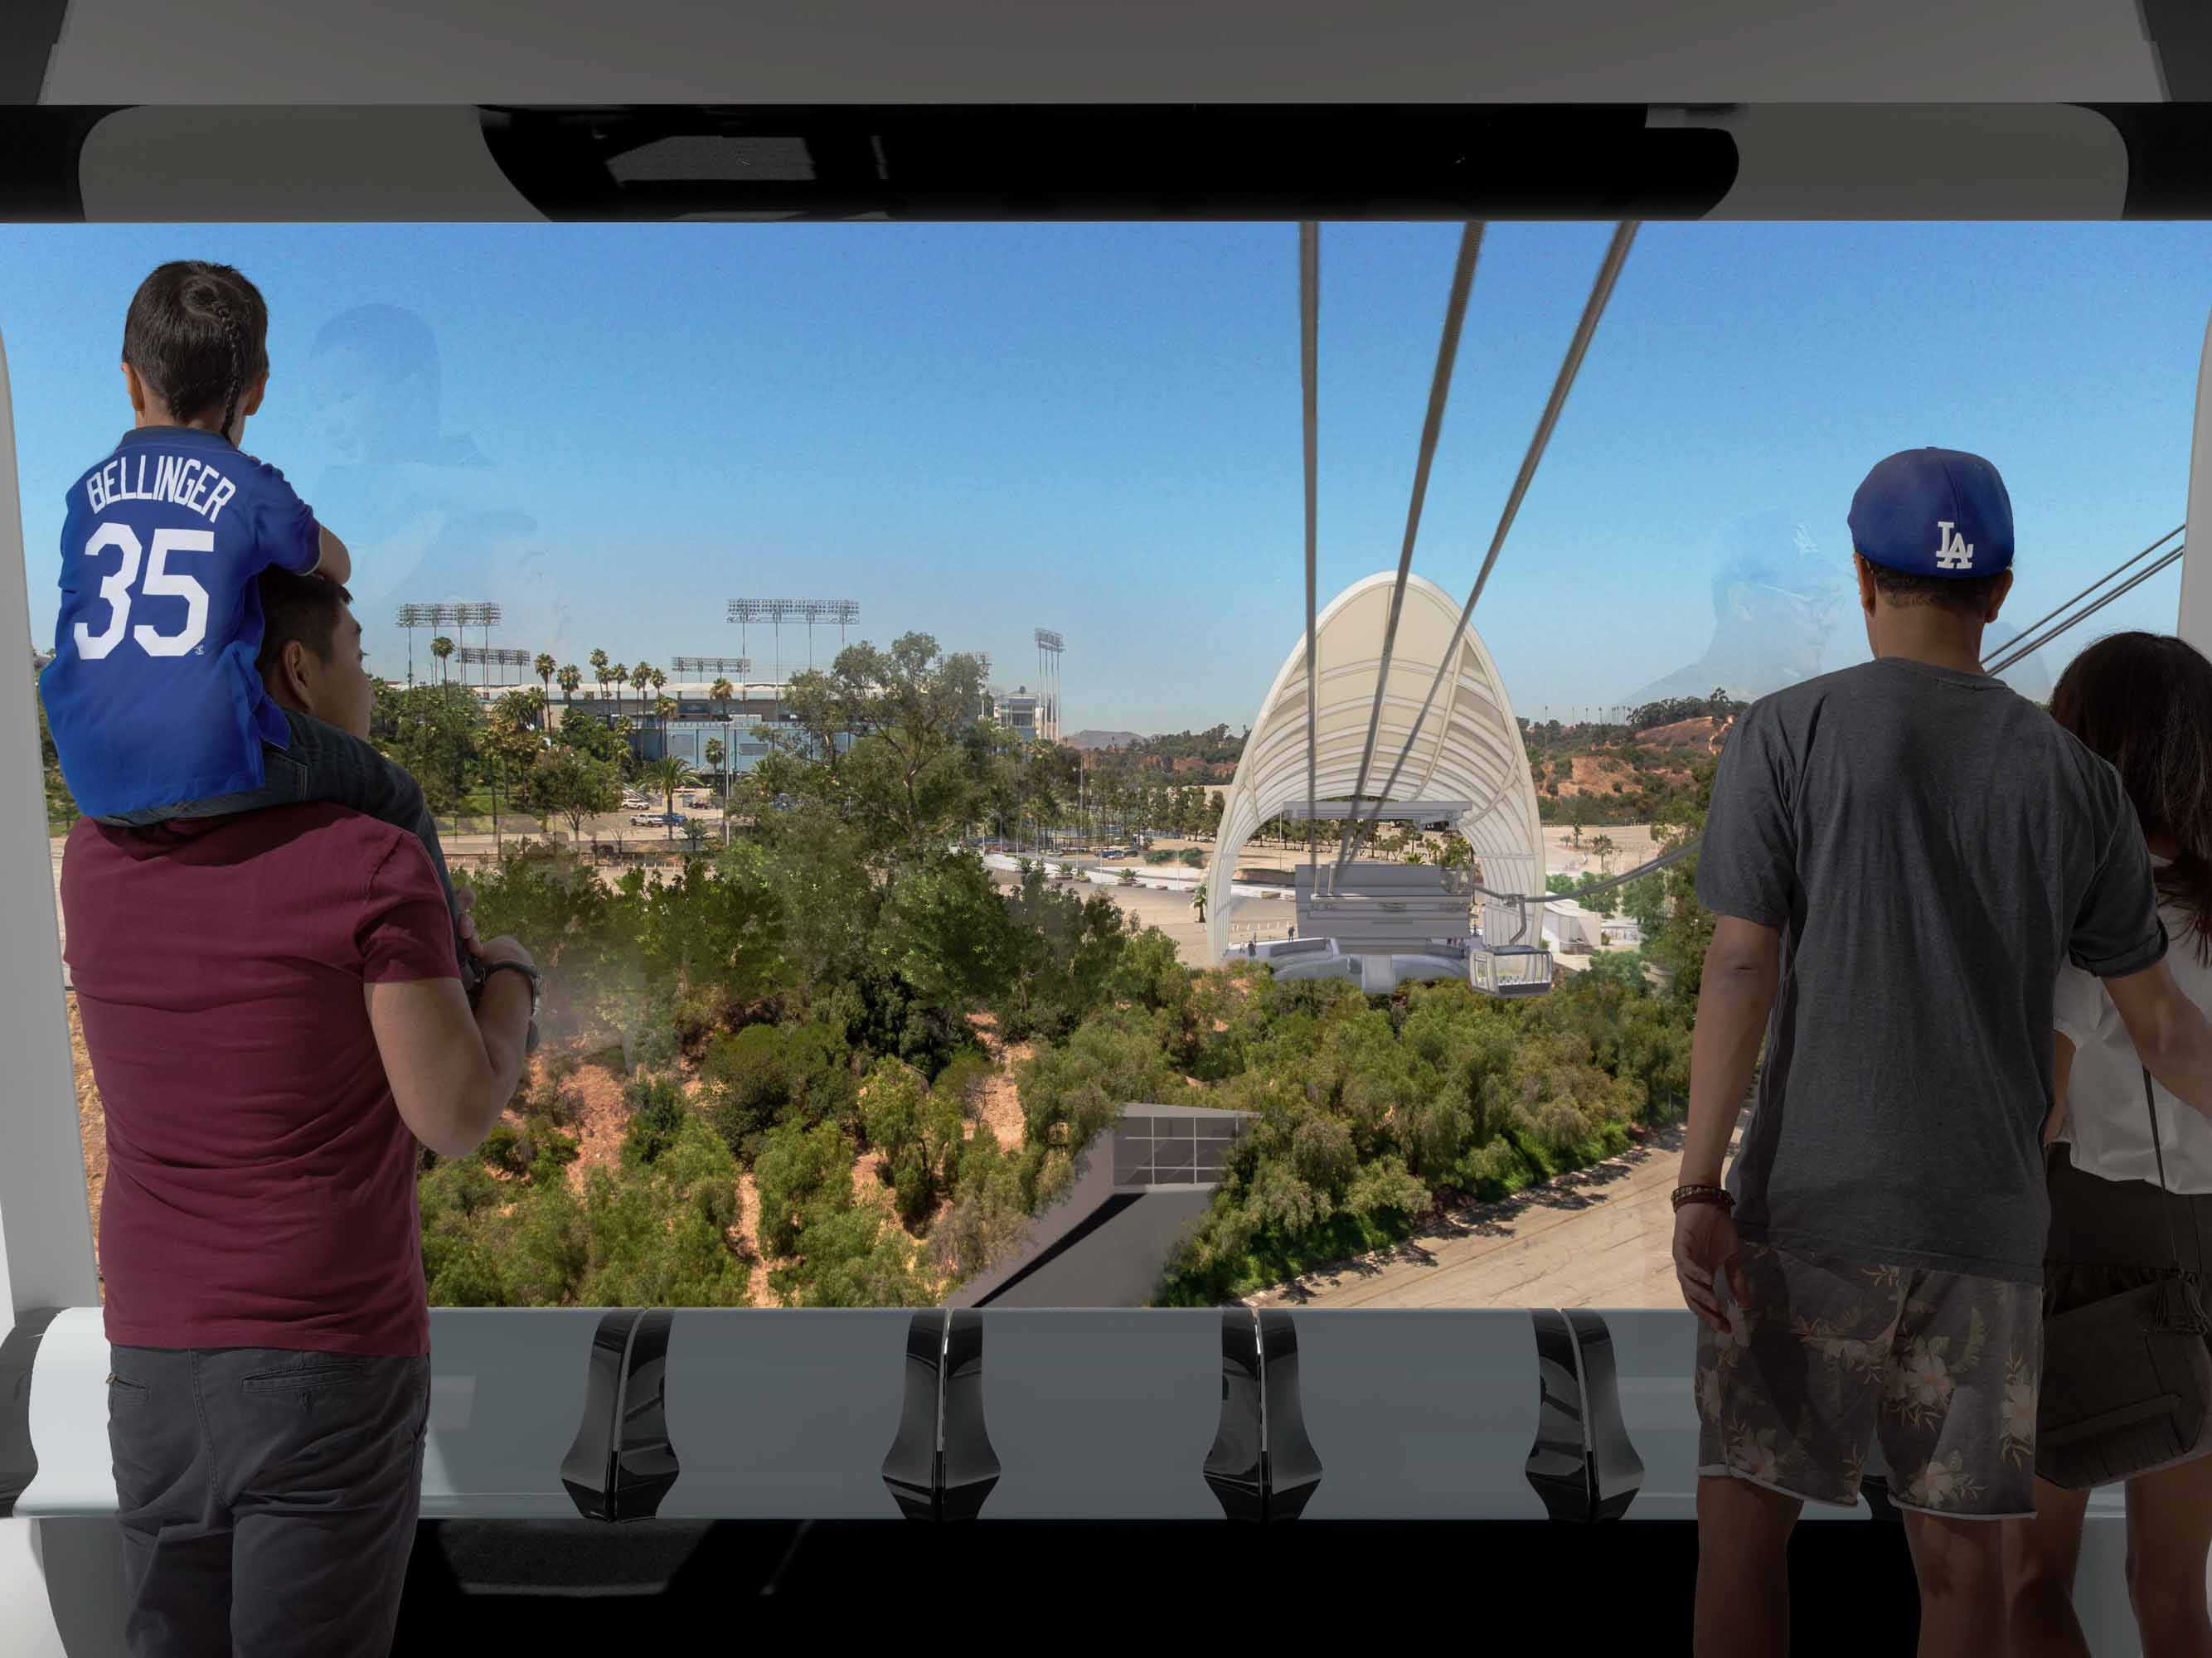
column 1933, row 847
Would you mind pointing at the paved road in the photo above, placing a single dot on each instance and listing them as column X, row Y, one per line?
column 1172, row 912
column 1600, row 1237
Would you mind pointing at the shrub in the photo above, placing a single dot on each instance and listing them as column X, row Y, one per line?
column 502, row 1149
column 1071, row 1092
column 658, row 1111
column 660, row 1236
column 916, row 1130
column 799, row 1172
column 852, row 1259
column 984, row 1215
column 769, row 1074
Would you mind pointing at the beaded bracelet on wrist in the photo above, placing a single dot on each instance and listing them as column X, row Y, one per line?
column 1699, row 1194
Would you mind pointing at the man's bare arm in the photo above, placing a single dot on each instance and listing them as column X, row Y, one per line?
column 453, row 1069
column 1743, row 968
column 2169, row 1031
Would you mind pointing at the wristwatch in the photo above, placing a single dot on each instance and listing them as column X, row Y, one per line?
column 537, row 983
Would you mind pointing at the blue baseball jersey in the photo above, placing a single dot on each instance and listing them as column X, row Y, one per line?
column 152, row 695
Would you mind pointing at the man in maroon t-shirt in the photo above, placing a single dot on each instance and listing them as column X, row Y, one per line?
column 273, row 1009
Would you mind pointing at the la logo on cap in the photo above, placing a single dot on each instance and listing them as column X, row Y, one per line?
column 1953, row 550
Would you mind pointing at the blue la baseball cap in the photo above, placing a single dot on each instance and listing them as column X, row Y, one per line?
column 1936, row 512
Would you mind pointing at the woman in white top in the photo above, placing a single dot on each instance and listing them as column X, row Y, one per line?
column 2142, row 702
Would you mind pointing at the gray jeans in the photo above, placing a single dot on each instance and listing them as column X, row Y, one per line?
column 268, row 1498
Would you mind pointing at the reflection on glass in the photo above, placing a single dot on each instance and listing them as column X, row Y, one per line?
column 852, row 968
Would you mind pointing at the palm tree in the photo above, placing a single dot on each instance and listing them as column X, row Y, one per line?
column 545, row 667
column 441, row 647
column 721, row 690
column 570, row 677
column 598, row 661
column 718, row 757
column 658, row 679
column 619, row 677
column 665, row 776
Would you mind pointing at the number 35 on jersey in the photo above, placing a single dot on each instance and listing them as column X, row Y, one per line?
column 120, row 588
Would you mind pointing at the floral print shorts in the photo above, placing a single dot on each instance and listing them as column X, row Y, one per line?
column 1830, row 1356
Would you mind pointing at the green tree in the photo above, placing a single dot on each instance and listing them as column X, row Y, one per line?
column 985, row 1213
column 663, row 1234
column 945, row 930
column 852, row 1259
column 658, row 1111
column 1644, row 900
column 443, row 648
column 1678, row 948
column 545, row 667
column 1598, row 903
column 61, row 804
column 885, row 736
column 435, row 731
column 566, row 783
column 801, row 1176
column 917, row 1131
column 606, row 740
column 1071, row 1092
column 767, row 1076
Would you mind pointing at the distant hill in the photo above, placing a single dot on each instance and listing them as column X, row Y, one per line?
column 1610, row 775
column 1090, row 739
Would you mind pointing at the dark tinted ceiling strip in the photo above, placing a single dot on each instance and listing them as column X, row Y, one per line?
column 28, row 30
column 2181, row 35
column 39, row 154
column 1100, row 162
column 2169, row 158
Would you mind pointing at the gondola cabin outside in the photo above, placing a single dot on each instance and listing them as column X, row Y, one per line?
column 1508, row 970
column 1386, row 924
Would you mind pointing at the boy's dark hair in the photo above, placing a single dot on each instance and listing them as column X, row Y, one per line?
column 2144, row 703
column 198, row 335
column 303, row 607
column 1969, row 597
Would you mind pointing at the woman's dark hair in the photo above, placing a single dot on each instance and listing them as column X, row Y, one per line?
column 2144, row 703
column 198, row 335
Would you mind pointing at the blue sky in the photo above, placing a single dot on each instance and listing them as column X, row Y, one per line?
column 978, row 430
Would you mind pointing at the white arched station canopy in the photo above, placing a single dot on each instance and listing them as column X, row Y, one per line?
column 1469, row 747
